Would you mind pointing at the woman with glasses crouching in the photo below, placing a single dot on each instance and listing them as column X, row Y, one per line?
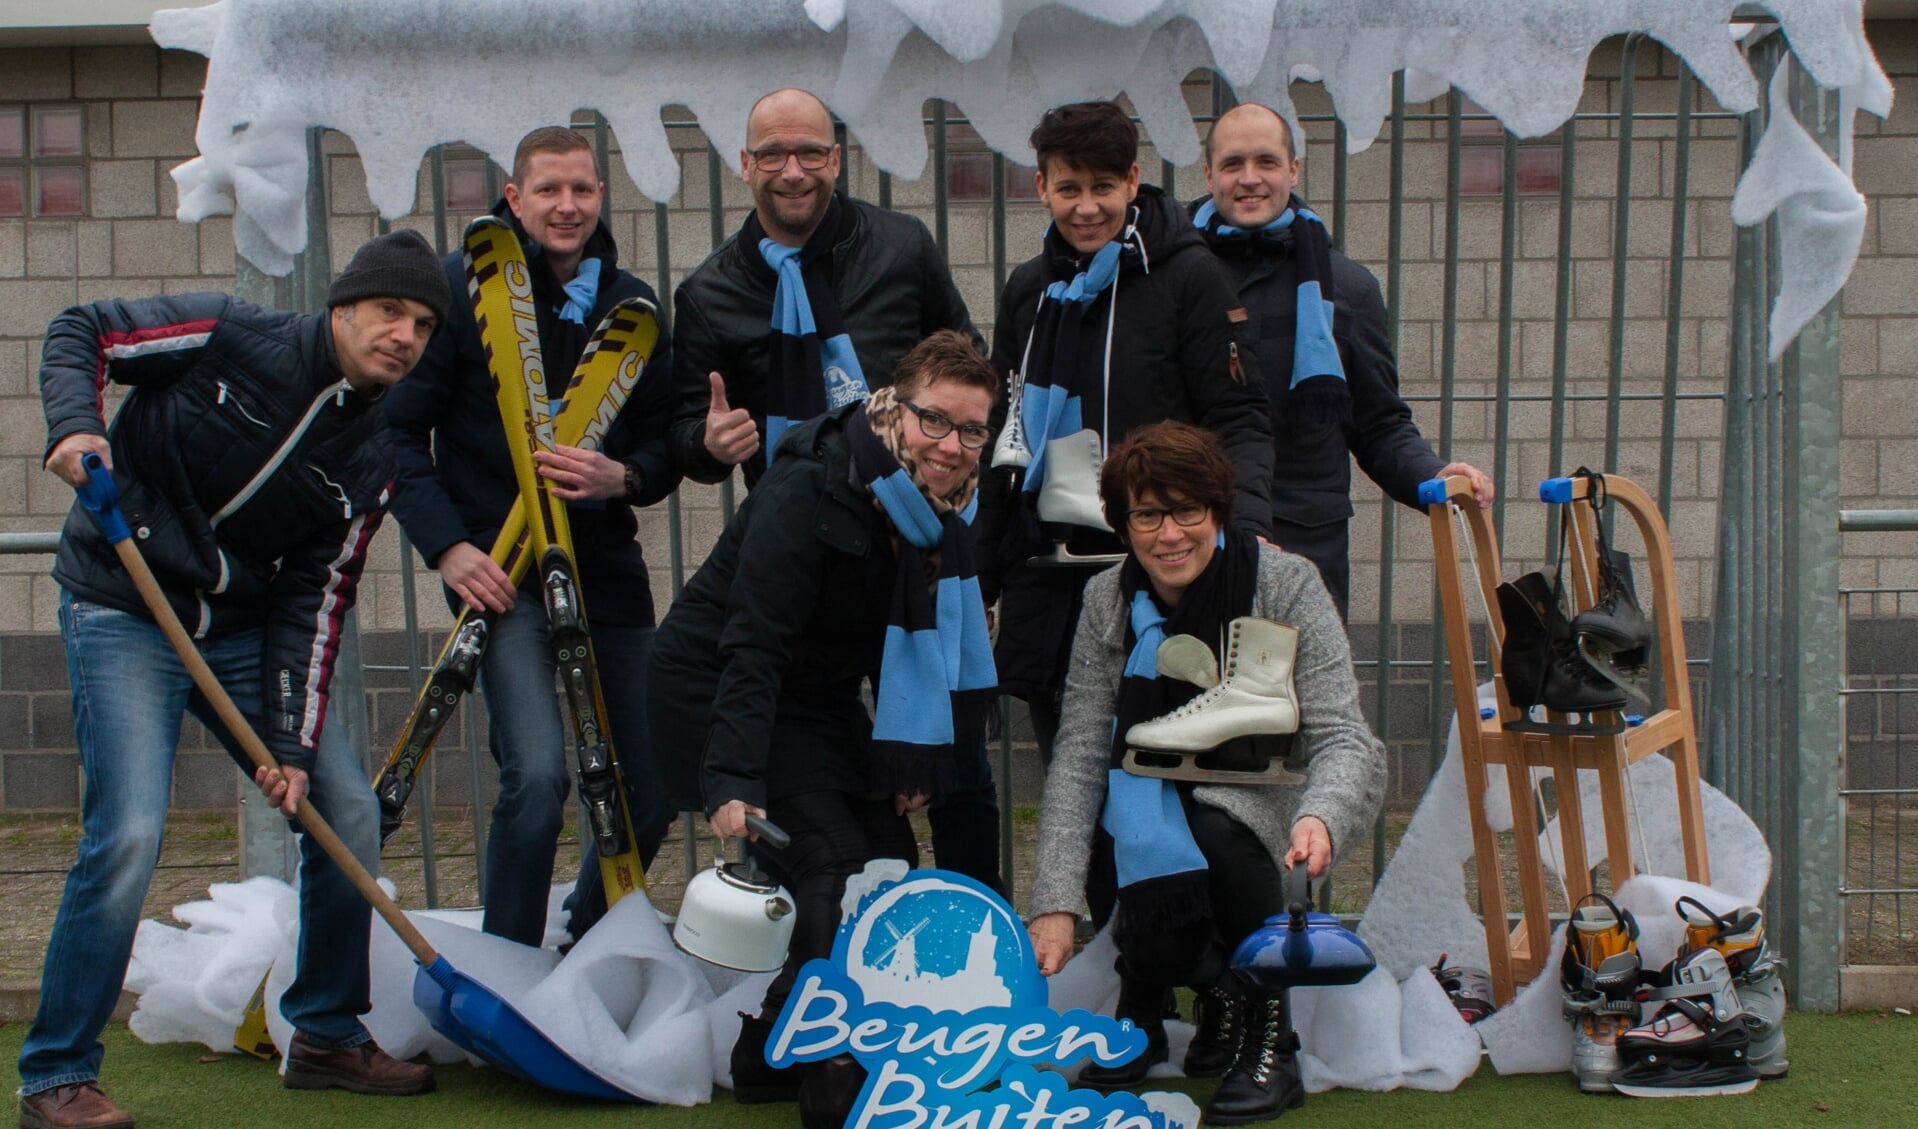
column 851, row 559
column 1199, row 864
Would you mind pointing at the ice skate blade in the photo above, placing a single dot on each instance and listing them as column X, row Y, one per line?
column 1185, row 766
column 1062, row 557
column 1567, row 728
column 1601, row 660
column 1711, row 1090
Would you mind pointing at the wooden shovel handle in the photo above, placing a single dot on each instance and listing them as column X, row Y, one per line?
column 102, row 497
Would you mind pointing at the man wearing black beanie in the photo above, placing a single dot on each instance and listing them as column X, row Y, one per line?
column 254, row 470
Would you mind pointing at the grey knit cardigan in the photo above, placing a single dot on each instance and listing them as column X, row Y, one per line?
column 1345, row 772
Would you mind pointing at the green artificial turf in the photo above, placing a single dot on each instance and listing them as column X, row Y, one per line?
column 1859, row 1068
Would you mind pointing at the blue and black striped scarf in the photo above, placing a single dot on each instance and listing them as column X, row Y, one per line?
column 814, row 367
column 1317, row 389
column 936, row 674
column 1049, row 405
column 1162, row 874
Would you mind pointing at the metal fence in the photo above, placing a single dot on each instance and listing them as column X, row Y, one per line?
column 1879, row 827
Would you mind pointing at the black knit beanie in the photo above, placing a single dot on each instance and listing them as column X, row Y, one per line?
column 399, row 264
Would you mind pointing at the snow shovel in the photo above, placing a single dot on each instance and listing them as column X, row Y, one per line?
column 459, row 1007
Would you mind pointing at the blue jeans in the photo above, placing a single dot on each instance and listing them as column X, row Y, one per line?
column 532, row 743
column 129, row 694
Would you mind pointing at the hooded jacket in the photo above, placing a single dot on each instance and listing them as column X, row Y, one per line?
column 1172, row 356
column 892, row 287
column 456, row 475
column 253, row 478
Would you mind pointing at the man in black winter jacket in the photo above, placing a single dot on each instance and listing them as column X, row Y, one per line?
column 456, row 487
column 738, row 380
column 1177, row 348
column 1252, row 173
column 253, row 471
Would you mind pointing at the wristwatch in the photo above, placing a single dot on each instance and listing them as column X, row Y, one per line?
column 634, row 481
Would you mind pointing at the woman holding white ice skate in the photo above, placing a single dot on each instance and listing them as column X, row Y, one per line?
column 1199, row 864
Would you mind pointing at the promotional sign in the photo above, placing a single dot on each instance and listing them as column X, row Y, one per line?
column 933, row 986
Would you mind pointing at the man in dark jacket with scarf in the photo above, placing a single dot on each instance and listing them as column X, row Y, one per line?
column 253, row 471
column 870, row 284
column 1333, row 383
column 1176, row 348
column 456, row 487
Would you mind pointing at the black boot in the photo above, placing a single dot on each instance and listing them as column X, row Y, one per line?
column 1573, row 686
column 1144, row 1005
column 754, row 1080
column 1264, row 1080
column 1616, row 625
column 1219, row 1016
column 829, row 1089
column 1530, row 610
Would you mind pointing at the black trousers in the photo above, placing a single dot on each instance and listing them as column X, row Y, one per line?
column 1246, row 887
column 834, row 836
column 965, row 821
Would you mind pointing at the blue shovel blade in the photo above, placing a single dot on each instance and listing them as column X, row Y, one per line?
column 467, row 1012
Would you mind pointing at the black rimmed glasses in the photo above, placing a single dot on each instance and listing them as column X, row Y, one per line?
column 1185, row 513
column 972, row 436
column 773, row 158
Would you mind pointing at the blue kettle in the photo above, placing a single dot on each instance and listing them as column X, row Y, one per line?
column 1302, row 949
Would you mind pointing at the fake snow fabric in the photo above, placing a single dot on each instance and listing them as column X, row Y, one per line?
column 1419, row 909
column 397, row 76
column 1821, row 217
column 624, row 1002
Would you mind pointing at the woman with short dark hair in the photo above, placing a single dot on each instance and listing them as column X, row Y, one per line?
column 1199, row 865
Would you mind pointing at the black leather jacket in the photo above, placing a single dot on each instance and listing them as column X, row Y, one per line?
column 252, row 475
column 892, row 286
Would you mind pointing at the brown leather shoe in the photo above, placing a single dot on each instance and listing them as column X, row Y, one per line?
column 365, row 1069
column 79, row 1106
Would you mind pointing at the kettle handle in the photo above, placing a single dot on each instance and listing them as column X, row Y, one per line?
column 1298, row 894
column 766, row 829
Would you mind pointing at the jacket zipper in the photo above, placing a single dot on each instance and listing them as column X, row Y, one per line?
column 337, row 392
column 227, row 394
column 346, row 503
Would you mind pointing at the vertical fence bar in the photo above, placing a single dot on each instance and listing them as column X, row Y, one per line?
column 1388, row 510
column 1340, row 183
column 939, row 217
column 1621, row 246
column 1562, row 312
column 1675, row 293
column 1448, row 379
column 1507, row 254
column 1808, row 478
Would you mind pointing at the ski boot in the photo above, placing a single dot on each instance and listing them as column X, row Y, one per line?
column 1600, row 975
column 1264, row 1080
column 1469, row 989
column 1757, row 974
column 1696, row 1042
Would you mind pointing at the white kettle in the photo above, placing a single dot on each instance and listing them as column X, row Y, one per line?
column 735, row 916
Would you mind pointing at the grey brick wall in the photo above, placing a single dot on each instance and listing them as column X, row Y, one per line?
column 141, row 105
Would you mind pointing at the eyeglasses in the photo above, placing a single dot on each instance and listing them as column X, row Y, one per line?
column 1185, row 513
column 773, row 158
column 972, row 436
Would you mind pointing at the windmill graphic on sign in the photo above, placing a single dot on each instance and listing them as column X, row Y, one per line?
column 901, row 958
